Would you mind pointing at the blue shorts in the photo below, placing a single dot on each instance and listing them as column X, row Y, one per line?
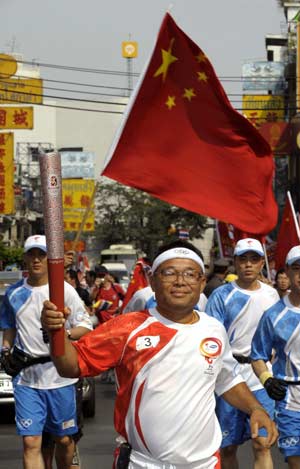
column 52, row 410
column 235, row 424
column 288, row 424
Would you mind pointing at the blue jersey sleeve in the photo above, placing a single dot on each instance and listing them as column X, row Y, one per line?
column 215, row 305
column 262, row 342
column 7, row 315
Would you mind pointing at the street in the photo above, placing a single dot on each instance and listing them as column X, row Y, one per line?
column 97, row 444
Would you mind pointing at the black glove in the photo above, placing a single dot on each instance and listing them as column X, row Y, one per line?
column 7, row 363
column 45, row 336
column 12, row 362
column 123, row 457
column 276, row 388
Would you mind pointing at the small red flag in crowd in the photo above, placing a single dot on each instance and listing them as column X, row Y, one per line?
column 183, row 142
column 287, row 235
column 226, row 238
column 139, row 280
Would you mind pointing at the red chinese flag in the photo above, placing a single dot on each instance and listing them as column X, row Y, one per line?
column 138, row 281
column 287, row 235
column 227, row 238
column 183, row 142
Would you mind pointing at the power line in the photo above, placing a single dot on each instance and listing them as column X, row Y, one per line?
column 58, row 106
column 136, row 74
column 74, row 69
column 24, row 93
column 112, row 95
column 99, row 86
column 74, row 91
column 71, row 83
column 86, row 84
column 259, row 108
column 121, row 112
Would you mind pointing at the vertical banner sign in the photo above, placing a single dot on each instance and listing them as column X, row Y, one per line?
column 50, row 166
column 6, row 173
column 77, row 197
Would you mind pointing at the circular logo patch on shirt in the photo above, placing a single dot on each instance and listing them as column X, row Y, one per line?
column 211, row 347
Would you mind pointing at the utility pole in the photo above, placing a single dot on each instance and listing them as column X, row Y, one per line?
column 129, row 52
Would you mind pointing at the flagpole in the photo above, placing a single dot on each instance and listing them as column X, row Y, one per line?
column 219, row 239
column 267, row 263
column 294, row 214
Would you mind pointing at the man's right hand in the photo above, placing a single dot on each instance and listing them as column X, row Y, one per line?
column 52, row 319
column 275, row 388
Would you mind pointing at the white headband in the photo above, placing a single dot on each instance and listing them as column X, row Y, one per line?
column 174, row 253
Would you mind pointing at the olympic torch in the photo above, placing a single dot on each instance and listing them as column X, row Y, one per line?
column 50, row 168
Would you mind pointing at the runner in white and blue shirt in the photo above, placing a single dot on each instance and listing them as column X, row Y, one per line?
column 21, row 310
column 279, row 331
column 239, row 306
column 44, row 401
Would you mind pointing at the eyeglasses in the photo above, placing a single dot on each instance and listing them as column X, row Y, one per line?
column 171, row 276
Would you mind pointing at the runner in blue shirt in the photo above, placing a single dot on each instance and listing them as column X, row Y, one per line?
column 279, row 331
column 239, row 306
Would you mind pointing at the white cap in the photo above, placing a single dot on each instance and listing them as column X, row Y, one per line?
column 246, row 245
column 293, row 255
column 36, row 241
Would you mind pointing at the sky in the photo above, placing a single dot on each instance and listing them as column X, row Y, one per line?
column 89, row 34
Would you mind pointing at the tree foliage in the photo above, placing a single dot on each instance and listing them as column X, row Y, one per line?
column 127, row 215
column 10, row 255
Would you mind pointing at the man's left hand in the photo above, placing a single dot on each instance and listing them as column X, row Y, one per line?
column 260, row 419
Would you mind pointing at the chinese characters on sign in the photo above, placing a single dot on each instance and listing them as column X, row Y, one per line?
column 6, row 173
column 16, row 117
column 77, row 195
column 13, row 90
column 260, row 109
column 73, row 219
column 263, row 75
column 77, row 164
column 27, row 90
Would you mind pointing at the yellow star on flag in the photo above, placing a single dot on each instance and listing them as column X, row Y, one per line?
column 201, row 57
column 202, row 76
column 189, row 93
column 170, row 102
column 167, row 60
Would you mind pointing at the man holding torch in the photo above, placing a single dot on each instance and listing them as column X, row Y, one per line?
column 169, row 362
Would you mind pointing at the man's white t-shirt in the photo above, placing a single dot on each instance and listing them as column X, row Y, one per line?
column 167, row 375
